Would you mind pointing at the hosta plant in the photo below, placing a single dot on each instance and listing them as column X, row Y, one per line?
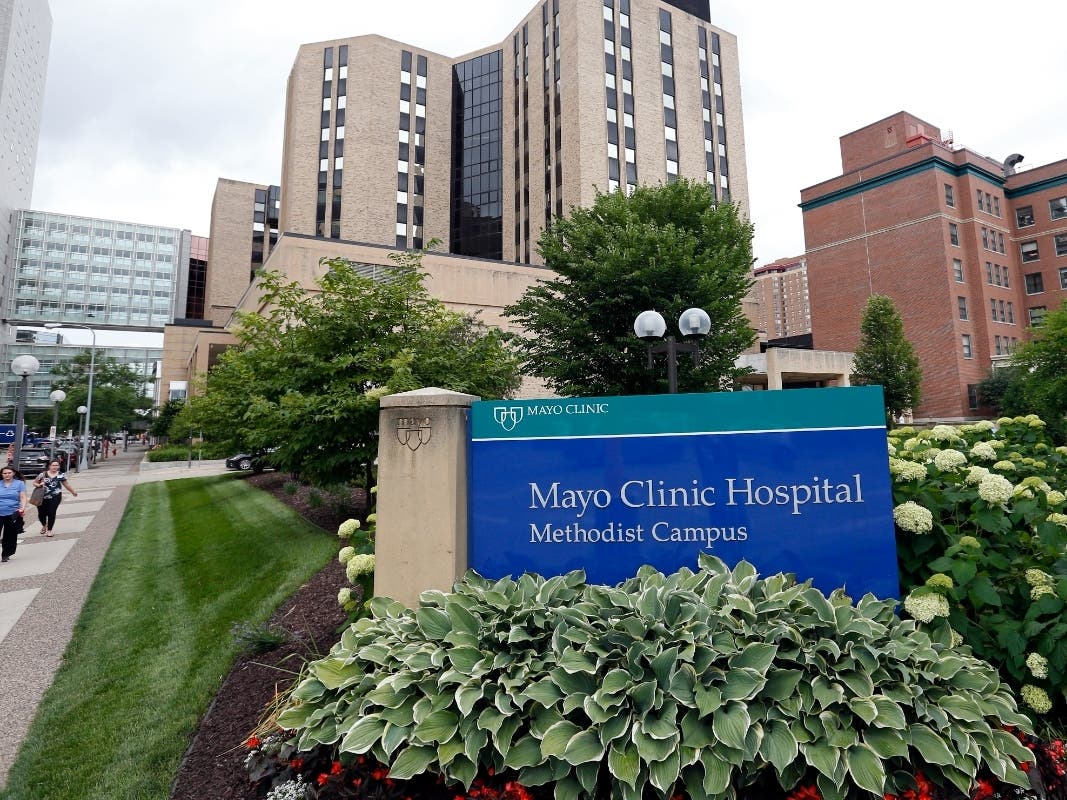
column 982, row 544
column 699, row 682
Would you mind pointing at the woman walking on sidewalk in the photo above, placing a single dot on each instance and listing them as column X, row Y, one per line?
column 12, row 507
column 54, row 482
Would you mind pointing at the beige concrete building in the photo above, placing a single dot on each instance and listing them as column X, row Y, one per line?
column 780, row 291
column 583, row 95
column 244, row 228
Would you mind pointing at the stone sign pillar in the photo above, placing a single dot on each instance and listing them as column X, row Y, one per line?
column 421, row 539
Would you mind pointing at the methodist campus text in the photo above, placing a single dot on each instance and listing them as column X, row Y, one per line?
column 794, row 498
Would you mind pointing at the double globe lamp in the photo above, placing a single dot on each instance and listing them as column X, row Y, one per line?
column 693, row 325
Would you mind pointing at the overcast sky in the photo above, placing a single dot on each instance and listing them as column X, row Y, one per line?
column 147, row 105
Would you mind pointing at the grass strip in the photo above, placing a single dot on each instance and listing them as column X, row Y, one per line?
column 153, row 643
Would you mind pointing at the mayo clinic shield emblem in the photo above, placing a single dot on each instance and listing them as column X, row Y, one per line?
column 508, row 416
column 413, row 431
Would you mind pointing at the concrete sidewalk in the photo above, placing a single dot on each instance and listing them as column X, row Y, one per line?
column 44, row 585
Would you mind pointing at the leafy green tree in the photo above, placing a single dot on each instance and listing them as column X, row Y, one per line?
column 160, row 427
column 886, row 358
column 1039, row 377
column 307, row 376
column 118, row 393
column 666, row 248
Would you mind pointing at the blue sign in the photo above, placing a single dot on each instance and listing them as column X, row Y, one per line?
column 791, row 481
column 7, row 435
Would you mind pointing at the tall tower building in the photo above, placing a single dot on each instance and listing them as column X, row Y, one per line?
column 781, row 292
column 483, row 150
column 25, row 33
column 971, row 250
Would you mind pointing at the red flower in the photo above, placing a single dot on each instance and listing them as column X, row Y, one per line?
column 297, row 763
column 380, row 773
column 985, row 789
column 1025, row 766
column 323, row 779
column 336, row 768
column 252, row 742
column 805, row 793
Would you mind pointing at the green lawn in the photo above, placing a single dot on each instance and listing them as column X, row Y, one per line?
column 190, row 558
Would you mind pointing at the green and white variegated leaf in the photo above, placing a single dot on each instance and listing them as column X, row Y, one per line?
column 702, row 678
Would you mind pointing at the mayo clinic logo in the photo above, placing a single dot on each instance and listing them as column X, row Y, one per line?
column 508, row 417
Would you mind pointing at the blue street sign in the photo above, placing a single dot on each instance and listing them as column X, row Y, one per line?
column 791, row 481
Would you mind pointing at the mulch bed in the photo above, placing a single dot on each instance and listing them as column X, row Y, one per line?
column 213, row 766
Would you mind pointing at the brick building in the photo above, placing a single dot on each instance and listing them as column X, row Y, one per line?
column 970, row 250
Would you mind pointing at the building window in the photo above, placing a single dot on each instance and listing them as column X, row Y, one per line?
column 1037, row 315
column 1028, row 251
column 981, row 206
column 1061, row 244
column 961, row 302
column 950, row 196
column 1057, row 209
column 1011, row 312
column 996, row 206
column 1000, row 238
column 1034, row 283
column 954, row 234
column 957, row 270
column 966, row 340
column 985, row 239
column 1024, row 217
column 972, row 396
column 993, row 308
column 1063, row 277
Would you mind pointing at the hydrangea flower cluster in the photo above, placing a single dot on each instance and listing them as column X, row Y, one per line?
column 1037, row 698
column 984, row 451
column 348, row 528
column 1057, row 519
column 949, row 460
column 359, row 565
column 912, row 517
column 976, row 474
column 940, row 580
column 996, row 489
column 1055, row 498
column 925, row 607
column 1038, row 665
column 907, row 470
column 345, row 554
column 1005, row 466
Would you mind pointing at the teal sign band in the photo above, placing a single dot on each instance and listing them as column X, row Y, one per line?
column 731, row 412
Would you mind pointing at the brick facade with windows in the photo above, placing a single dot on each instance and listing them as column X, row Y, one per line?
column 965, row 247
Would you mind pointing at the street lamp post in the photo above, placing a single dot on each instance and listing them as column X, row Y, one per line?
column 57, row 397
column 81, row 425
column 89, row 399
column 694, row 324
column 24, row 367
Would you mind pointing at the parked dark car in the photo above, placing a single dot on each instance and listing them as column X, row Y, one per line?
column 34, row 460
column 257, row 462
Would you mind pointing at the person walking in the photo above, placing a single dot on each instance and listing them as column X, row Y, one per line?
column 12, row 507
column 54, row 482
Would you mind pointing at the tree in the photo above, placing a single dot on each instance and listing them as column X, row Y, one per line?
column 1039, row 374
column 665, row 248
column 886, row 358
column 118, row 392
column 307, row 376
column 161, row 425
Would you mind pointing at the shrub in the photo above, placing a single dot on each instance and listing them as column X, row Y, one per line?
column 180, row 452
column 357, row 554
column 705, row 682
column 257, row 639
column 989, row 564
